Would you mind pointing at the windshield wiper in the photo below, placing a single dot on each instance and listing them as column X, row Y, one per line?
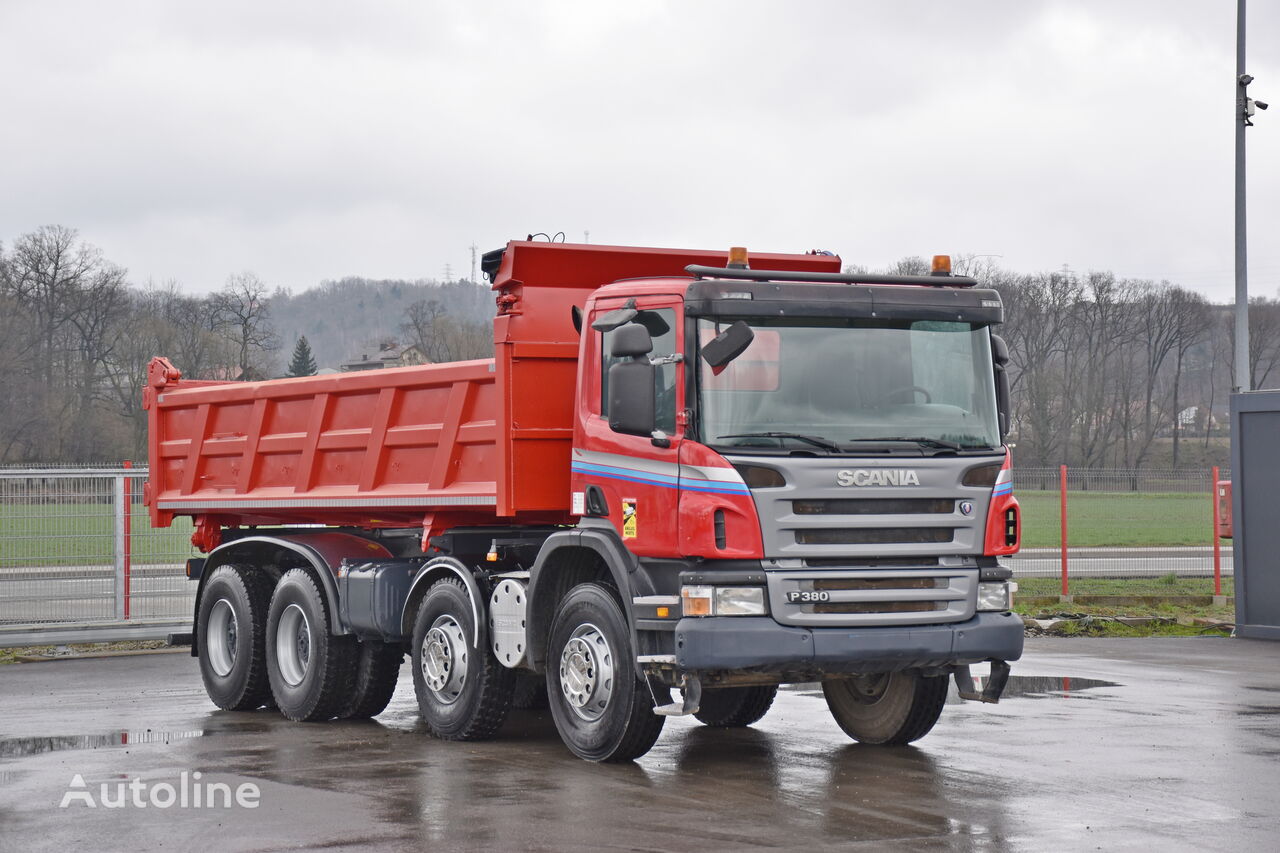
column 925, row 442
column 816, row 441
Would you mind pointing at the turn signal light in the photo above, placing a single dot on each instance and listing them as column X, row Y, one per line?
column 941, row 265
column 696, row 600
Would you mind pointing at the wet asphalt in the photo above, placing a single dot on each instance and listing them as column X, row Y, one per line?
column 1164, row 744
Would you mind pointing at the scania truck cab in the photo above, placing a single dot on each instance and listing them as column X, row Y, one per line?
column 767, row 472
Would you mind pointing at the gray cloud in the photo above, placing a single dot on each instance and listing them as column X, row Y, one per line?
column 313, row 140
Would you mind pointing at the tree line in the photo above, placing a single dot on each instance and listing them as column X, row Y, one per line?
column 76, row 337
column 1106, row 371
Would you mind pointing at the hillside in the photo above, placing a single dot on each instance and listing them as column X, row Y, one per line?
column 345, row 318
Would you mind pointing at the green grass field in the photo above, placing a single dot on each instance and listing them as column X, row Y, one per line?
column 83, row 534
column 1117, row 519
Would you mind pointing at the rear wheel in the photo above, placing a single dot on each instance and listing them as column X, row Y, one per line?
column 734, row 707
column 377, row 671
column 312, row 672
column 602, row 709
column 886, row 708
column 233, row 624
column 530, row 692
column 463, row 692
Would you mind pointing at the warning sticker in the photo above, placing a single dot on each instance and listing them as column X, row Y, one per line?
column 629, row 518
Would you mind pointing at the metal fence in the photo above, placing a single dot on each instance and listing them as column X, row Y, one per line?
column 76, row 546
column 1121, row 532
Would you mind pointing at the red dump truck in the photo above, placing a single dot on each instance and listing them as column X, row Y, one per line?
column 680, row 470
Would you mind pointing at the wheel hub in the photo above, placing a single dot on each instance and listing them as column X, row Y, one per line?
column 220, row 637
column 444, row 659
column 587, row 672
column 293, row 645
column 869, row 688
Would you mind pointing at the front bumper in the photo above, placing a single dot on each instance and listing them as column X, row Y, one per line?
column 758, row 643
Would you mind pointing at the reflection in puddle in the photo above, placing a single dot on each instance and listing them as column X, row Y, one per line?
column 18, row 746
column 1019, row 687
column 1045, row 687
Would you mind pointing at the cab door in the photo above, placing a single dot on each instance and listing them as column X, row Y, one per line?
column 630, row 479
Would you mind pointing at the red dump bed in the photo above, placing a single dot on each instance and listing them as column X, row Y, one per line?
column 457, row 443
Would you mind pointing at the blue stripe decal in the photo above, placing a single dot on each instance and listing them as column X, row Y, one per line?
column 648, row 478
column 1002, row 490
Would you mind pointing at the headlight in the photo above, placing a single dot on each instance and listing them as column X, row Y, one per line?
column 723, row 601
column 994, row 595
column 740, row 601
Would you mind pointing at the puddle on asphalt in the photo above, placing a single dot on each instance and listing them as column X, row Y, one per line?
column 21, row 746
column 1019, row 687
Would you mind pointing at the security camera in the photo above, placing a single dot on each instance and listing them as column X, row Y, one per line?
column 1245, row 79
column 1262, row 105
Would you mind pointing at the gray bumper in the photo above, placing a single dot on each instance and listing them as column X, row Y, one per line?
column 759, row 643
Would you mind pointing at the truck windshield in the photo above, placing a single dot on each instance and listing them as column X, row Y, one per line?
column 859, row 385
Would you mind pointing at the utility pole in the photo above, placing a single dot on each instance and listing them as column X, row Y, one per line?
column 474, row 247
column 448, row 273
column 1245, row 107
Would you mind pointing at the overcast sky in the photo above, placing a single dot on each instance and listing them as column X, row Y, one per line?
column 313, row 140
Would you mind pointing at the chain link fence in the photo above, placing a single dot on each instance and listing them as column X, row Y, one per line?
column 1126, row 532
column 76, row 544
column 76, row 547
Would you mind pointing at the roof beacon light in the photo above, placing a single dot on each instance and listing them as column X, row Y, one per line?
column 941, row 265
column 738, row 258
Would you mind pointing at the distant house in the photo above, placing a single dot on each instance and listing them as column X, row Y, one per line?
column 390, row 354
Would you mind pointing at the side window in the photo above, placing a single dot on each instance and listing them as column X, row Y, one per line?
column 661, row 321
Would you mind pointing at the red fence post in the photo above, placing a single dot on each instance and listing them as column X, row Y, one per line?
column 1062, row 481
column 128, row 539
column 1217, row 543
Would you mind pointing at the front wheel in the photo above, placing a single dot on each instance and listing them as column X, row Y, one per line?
column 886, row 708
column 602, row 709
column 377, row 670
column 463, row 692
column 735, row 707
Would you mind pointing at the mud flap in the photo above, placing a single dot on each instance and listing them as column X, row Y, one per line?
column 991, row 690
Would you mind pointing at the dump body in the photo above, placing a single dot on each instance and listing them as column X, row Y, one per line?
column 433, row 445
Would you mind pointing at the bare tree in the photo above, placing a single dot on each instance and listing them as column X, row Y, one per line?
column 242, row 316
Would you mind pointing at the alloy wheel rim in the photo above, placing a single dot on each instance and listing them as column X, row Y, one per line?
column 293, row 645
column 444, row 659
column 587, row 672
column 221, row 637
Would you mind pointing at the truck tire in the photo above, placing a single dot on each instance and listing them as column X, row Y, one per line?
column 888, row 708
column 233, row 627
column 312, row 673
column 734, row 707
column 602, row 709
column 377, row 671
column 463, row 692
column 530, row 692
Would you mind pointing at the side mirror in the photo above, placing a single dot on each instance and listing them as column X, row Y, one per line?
column 999, row 350
column 1000, row 357
column 632, row 398
column 727, row 345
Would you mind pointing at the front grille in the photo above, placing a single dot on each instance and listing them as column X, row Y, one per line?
column 874, row 535
column 885, row 563
column 879, row 606
column 875, row 506
column 827, row 584
column 873, row 596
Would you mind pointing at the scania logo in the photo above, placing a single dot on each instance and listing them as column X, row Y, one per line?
column 877, row 477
